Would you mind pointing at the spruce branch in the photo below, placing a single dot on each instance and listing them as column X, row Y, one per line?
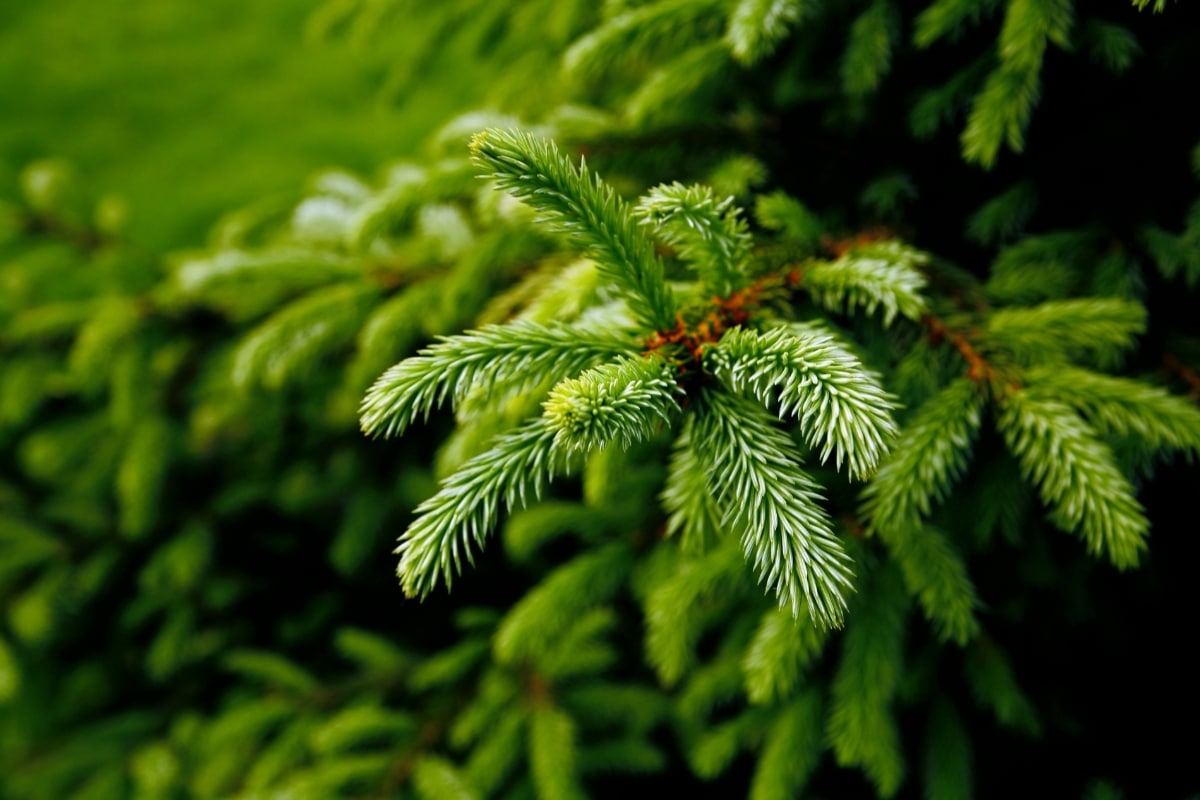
column 642, row 33
column 1005, row 215
column 1077, row 475
column 929, row 456
column 717, row 681
column 292, row 339
column 1003, row 109
column 868, row 54
column 779, row 211
column 948, row 754
column 533, row 625
column 1110, row 44
column 936, row 575
column 621, row 401
column 553, row 753
column 882, row 275
column 947, row 17
column 782, row 648
column 717, row 747
column 994, row 685
column 500, row 751
column 1001, row 112
column 663, row 97
column 1122, row 407
column 709, row 233
column 580, row 203
column 940, row 105
column 757, row 27
column 791, row 750
column 1064, row 330
column 1038, row 268
column 801, row 369
column 862, row 727
column 692, row 511
column 582, row 650
column 464, row 510
column 678, row 608
column 1029, row 25
column 517, row 353
column 754, row 473
column 435, row 778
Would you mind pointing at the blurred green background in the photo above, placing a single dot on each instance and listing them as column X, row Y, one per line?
column 190, row 109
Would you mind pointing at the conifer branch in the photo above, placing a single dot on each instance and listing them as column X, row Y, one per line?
column 643, row 31
column 677, row 609
column 580, row 203
column 755, row 475
column 801, row 369
column 948, row 754
column 1003, row 109
column 782, row 648
column 692, row 511
column 291, row 340
column 518, row 353
column 1004, row 215
column 1077, row 475
column 868, row 54
column 500, row 750
column 936, row 575
column 791, row 750
column 861, row 727
column 992, row 681
column 1111, row 44
column 622, row 401
column 665, row 96
column 533, row 624
column 881, row 275
column 435, row 778
column 1038, row 268
column 1001, row 112
column 461, row 515
column 708, row 232
column 1122, row 407
column 781, row 212
column 756, row 27
column 946, row 18
column 930, row 454
column 553, row 753
column 1028, row 27
column 1063, row 330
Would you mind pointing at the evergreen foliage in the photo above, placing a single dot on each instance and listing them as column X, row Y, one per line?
column 779, row 346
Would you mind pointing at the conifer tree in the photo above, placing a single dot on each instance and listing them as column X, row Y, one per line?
column 783, row 414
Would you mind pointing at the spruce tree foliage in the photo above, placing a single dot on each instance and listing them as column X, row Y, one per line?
column 700, row 356
column 821, row 460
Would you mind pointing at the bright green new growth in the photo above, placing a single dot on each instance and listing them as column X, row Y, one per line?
column 620, row 401
column 732, row 471
column 515, row 470
column 880, row 276
column 1064, row 423
column 757, row 26
column 579, row 202
column 803, row 371
column 496, row 357
column 708, row 232
column 1077, row 476
column 754, row 473
column 929, row 456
